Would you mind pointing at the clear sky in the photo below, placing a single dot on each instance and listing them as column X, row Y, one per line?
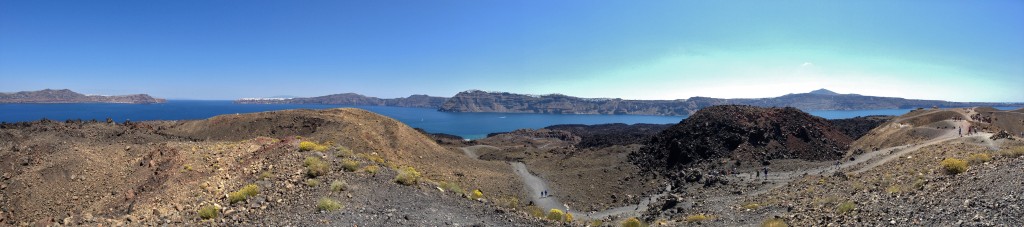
column 950, row 50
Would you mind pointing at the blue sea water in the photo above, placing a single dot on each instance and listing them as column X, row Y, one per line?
column 467, row 125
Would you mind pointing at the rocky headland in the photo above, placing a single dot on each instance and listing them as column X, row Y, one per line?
column 68, row 96
column 419, row 101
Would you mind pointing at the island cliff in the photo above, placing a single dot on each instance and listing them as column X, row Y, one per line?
column 822, row 99
column 420, row 101
column 68, row 96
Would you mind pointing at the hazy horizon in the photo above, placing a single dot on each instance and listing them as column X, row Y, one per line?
column 936, row 50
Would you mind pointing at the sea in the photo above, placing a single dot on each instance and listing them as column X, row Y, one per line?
column 466, row 125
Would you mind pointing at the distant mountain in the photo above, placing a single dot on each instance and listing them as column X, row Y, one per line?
column 421, row 101
column 822, row 99
column 823, row 92
column 68, row 96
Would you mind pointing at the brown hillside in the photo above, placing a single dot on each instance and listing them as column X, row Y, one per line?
column 152, row 173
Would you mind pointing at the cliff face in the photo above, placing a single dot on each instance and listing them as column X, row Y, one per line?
column 745, row 133
column 68, row 96
column 480, row 101
column 421, row 101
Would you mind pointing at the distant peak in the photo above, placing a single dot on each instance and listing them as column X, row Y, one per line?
column 823, row 92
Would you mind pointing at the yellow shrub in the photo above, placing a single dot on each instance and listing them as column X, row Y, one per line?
column 407, row 176
column 845, row 207
column 349, row 165
column 344, row 152
column 338, row 185
column 209, row 211
column 315, row 166
column 312, row 182
column 477, row 194
column 751, row 206
column 954, row 166
column 327, row 204
column 1013, row 152
column 535, row 211
column 774, row 222
column 373, row 169
column 632, row 222
column 244, row 193
column 696, row 218
column 568, row 217
column 555, row 215
column 978, row 158
column 307, row 146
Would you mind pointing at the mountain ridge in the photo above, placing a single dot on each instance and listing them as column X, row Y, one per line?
column 821, row 99
column 68, row 96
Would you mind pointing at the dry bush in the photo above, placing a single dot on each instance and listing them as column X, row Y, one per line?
column 954, row 165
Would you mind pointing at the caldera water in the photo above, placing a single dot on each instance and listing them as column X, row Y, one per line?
column 467, row 125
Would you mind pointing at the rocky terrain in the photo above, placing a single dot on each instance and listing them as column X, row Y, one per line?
column 350, row 167
column 481, row 101
column 743, row 134
column 859, row 126
column 68, row 96
column 150, row 173
column 420, row 101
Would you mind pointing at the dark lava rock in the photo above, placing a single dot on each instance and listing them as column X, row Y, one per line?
column 606, row 135
column 859, row 126
column 744, row 133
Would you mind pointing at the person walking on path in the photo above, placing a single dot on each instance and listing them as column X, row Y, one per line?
column 765, row 173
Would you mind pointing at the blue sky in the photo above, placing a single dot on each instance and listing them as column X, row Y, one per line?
column 950, row 50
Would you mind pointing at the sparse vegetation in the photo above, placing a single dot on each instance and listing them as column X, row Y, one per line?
column 555, row 215
column 893, row 189
column 266, row 175
column 452, row 187
column 751, row 206
column 315, row 166
column 954, row 165
column 338, row 186
column 507, row 201
column 209, row 211
column 477, row 194
column 535, row 211
column 596, row 223
column 407, row 176
column 312, row 182
column 845, row 207
column 697, row 218
column 345, row 152
column 774, row 222
column 327, row 204
column 349, row 165
column 632, row 222
column 311, row 146
column 978, row 158
column 244, row 193
column 1013, row 152
column 187, row 167
column 372, row 169
column 568, row 217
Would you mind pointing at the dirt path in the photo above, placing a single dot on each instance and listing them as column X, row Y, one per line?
column 535, row 185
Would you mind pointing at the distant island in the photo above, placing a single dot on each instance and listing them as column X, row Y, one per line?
column 504, row 102
column 68, row 96
column 420, row 101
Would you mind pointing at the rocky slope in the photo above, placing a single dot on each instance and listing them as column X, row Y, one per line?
column 744, row 133
column 859, row 126
column 68, row 96
column 155, row 173
column 420, row 101
column 606, row 135
column 480, row 101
